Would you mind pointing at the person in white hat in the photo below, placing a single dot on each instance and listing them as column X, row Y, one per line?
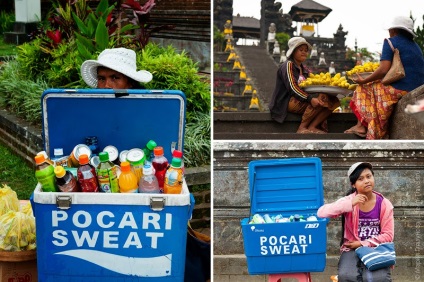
column 367, row 220
column 372, row 101
column 289, row 97
column 114, row 68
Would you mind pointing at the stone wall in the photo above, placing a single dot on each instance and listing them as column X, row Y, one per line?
column 398, row 168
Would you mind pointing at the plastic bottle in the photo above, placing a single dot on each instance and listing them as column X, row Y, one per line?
column 65, row 180
column 127, row 180
column 87, row 175
column 107, row 174
column 148, row 150
column 174, row 178
column 160, row 164
column 44, row 172
column 179, row 154
column 136, row 159
column 148, row 182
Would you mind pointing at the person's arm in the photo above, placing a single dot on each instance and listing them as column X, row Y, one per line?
column 336, row 208
column 384, row 67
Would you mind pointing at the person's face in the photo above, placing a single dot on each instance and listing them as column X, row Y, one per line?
column 301, row 53
column 365, row 182
column 107, row 78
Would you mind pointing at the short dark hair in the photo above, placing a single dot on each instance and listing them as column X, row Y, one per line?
column 357, row 172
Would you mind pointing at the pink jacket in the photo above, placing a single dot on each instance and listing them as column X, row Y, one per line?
column 344, row 205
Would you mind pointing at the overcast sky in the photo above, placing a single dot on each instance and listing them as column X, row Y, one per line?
column 364, row 20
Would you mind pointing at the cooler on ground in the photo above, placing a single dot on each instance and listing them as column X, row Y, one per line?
column 105, row 236
column 285, row 187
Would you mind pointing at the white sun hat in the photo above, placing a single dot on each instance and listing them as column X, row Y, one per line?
column 295, row 42
column 355, row 166
column 121, row 60
column 404, row 23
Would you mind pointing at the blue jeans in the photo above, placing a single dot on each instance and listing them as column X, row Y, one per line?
column 351, row 269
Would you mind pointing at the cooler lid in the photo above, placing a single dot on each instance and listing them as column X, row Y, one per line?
column 125, row 119
column 286, row 186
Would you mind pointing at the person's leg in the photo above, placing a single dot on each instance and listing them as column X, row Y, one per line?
column 298, row 107
column 347, row 269
column 380, row 275
column 320, row 117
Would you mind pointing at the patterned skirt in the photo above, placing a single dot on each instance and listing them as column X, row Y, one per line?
column 373, row 104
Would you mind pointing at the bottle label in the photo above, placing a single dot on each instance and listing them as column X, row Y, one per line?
column 47, row 179
column 108, row 180
column 173, row 181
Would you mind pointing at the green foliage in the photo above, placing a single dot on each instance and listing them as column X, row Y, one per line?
column 218, row 39
column 197, row 141
column 6, row 21
column 420, row 37
column 172, row 70
column 15, row 173
column 283, row 39
column 19, row 94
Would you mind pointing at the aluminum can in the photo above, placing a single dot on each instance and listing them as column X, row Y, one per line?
column 113, row 153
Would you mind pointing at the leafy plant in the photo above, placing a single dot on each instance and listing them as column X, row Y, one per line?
column 6, row 21
column 197, row 141
column 283, row 39
column 172, row 70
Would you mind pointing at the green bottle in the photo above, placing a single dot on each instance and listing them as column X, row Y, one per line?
column 107, row 174
column 44, row 172
column 148, row 150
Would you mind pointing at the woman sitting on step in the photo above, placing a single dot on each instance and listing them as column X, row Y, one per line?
column 372, row 101
column 288, row 97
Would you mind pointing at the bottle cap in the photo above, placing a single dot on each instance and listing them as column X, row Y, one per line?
column 39, row 159
column 158, row 151
column 176, row 162
column 177, row 154
column 59, row 171
column 125, row 167
column 151, row 145
column 147, row 170
column 103, row 156
column 83, row 159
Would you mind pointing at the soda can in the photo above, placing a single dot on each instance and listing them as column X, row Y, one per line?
column 136, row 158
column 95, row 161
column 257, row 219
column 123, row 156
column 80, row 149
column 113, row 153
column 267, row 218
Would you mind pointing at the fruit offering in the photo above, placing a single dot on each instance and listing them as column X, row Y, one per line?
column 326, row 79
column 366, row 67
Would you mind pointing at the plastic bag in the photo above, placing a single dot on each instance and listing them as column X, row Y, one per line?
column 17, row 232
column 26, row 207
column 8, row 200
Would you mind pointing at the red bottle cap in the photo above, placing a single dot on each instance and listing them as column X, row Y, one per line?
column 177, row 154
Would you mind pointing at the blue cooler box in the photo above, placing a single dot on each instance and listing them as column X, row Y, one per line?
column 103, row 236
column 285, row 187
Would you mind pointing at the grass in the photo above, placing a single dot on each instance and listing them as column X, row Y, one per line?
column 16, row 173
column 6, row 49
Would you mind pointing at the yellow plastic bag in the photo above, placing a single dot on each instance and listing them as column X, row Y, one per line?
column 8, row 200
column 17, row 231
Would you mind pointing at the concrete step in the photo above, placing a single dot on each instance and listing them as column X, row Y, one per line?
column 259, row 126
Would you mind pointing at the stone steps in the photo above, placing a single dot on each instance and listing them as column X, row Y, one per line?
column 259, row 126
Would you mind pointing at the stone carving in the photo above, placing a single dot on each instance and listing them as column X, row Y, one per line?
column 314, row 52
column 321, row 61
column 271, row 32
column 276, row 50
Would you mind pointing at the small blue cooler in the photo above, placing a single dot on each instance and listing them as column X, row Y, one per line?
column 103, row 236
column 285, row 187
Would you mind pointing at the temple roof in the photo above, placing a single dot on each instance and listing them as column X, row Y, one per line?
column 246, row 22
column 307, row 9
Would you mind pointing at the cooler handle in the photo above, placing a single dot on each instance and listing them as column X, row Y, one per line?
column 191, row 208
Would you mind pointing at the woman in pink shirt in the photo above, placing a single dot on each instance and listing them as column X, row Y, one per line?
column 367, row 221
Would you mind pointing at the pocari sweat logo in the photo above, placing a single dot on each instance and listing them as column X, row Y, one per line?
column 88, row 237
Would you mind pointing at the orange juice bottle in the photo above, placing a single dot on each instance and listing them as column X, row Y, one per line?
column 127, row 180
column 174, row 178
